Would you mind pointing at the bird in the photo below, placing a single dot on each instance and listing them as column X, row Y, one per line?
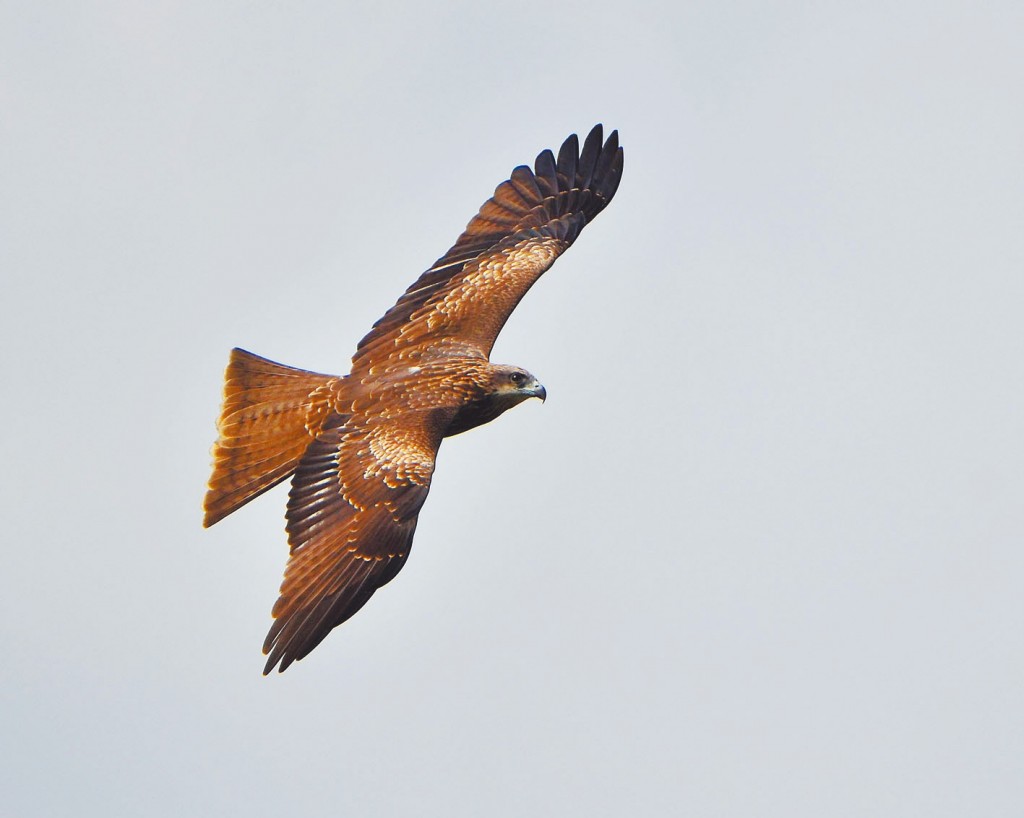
column 360, row 449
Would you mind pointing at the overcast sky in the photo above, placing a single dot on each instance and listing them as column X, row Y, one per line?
column 759, row 554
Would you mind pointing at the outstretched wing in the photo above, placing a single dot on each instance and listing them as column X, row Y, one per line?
column 352, row 513
column 469, row 293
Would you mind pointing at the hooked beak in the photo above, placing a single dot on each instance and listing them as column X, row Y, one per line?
column 539, row 391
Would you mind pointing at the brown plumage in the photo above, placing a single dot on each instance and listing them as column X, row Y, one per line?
column 362, row 447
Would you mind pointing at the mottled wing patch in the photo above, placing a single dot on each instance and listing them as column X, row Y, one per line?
column 533, row 217
column 477, row 306
column 352, row 513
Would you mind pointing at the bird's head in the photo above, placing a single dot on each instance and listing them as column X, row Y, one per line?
column 513, row 384
column 497, row 389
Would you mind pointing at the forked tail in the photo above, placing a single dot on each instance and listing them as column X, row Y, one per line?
column 262, row 429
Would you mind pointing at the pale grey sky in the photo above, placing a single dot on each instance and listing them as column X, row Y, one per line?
column 759, row 553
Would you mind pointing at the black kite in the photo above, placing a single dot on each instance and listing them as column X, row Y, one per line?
column 362, row 447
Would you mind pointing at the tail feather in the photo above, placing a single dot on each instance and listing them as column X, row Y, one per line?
column 263, row 430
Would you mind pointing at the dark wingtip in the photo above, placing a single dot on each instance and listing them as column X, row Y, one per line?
column 270, row 649
column 568, row 157
column 279, row 660
column 544, row 165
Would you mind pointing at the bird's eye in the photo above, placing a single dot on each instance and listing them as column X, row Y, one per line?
column 517, row 378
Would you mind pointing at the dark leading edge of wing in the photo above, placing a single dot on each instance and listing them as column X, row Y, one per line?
column 554, row 202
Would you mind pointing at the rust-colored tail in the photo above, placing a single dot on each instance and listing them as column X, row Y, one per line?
column 263, row 430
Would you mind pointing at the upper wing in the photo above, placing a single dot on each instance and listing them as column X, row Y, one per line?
column 532, row 218
column 352, row 513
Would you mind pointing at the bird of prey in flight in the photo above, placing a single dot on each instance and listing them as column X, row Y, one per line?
column 360, row 449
